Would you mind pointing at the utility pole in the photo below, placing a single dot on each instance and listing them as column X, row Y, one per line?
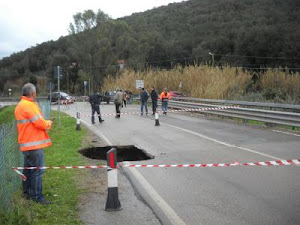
column 58, row 89
column 89, row 86
column 68, row 82
column 50, row 95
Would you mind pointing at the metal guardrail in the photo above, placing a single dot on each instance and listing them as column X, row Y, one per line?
column 241, row 103
column 267, row 116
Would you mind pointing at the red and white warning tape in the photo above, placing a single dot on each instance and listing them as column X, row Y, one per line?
column 288, row 162
column 175, row 110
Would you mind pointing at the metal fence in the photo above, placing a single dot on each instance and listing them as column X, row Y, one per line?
column 45, row 107
column 269, row 113
column 11, row 156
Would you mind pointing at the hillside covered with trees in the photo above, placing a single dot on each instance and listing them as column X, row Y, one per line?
column 244, row 33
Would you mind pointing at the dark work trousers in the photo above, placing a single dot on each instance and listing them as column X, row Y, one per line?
column 118, row 113
column 96, row 108
column 164, row 105
column 154, row 106
column 144, row 105
column 32, row 187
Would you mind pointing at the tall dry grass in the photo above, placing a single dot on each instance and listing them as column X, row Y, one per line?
column 289, row 84
column 203, row 81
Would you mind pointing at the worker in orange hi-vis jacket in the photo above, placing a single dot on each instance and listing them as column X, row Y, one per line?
column 165, row 97
column 32, row 138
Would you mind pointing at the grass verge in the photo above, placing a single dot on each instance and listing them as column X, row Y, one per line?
column 60, row 186
column 7, row 114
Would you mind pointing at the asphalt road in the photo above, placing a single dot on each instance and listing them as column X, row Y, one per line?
column 233, row 195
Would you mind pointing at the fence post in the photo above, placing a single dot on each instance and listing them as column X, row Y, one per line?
column 3, row 185
column 112, row 202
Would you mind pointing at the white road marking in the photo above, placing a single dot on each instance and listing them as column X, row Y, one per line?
column 168, row 211
column 288, row 133
column 224, row 143
column 86, row 123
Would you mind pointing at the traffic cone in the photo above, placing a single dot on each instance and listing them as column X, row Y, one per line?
column 112, row 202
column 156, row 119
column 78, row 121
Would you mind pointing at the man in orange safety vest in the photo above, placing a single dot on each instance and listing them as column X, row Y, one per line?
column 32, row 138
column 165, row 97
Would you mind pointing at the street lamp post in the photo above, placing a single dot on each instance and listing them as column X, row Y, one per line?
column 212, row 58
column 58, row 90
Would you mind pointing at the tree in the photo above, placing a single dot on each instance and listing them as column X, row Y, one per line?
column 87, row 21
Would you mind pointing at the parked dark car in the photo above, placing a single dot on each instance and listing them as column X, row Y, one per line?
column 64, row 97
column 177, row 94
column 108, row 96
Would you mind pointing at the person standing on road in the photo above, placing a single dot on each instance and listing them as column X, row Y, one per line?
column 32, row 138
column 154, row 97
column 124, row 98
column 165, row 97
column 144, row 95
column 129, row 97
column 95, row 101
column 118, row 100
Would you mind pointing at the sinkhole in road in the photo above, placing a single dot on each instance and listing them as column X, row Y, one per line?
column 124, row 153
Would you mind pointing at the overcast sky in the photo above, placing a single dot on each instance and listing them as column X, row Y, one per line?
column 25, row 23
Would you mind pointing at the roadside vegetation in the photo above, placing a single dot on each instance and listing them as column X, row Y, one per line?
column 214, row 83
column 7, row 114
column 60, row 186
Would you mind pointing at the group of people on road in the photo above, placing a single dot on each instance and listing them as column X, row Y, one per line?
column 165, row 97
column 121, row 98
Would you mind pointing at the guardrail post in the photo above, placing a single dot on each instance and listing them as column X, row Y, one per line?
column 112, row 202
column 78, row 121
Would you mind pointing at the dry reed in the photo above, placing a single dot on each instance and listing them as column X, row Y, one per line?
column 203, row 81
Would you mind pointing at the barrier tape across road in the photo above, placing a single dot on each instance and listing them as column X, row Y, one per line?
column 288, row 162
column 174, row 110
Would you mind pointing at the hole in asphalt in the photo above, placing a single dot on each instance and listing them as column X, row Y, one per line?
column 124, row 153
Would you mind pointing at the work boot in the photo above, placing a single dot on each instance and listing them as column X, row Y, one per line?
column 26, row 196
column 101, row 121
column 44, row 202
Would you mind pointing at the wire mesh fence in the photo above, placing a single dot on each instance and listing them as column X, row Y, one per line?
column 45, row 108
column 11, row 156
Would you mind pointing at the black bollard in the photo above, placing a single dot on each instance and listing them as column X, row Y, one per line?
column 112, row 202
column 156, row 119
column 78, row 121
